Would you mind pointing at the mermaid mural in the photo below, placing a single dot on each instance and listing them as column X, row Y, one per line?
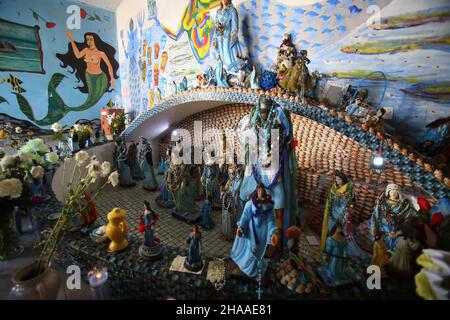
column 94, row 65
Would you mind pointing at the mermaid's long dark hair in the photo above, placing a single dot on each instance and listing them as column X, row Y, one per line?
column 79, row 66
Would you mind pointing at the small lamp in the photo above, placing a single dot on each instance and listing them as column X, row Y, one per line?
column 377, row 162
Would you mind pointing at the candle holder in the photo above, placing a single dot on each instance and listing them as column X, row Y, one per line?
column 98, row 281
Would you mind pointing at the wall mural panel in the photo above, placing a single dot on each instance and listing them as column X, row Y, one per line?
column 81, row 66
column 346, row 40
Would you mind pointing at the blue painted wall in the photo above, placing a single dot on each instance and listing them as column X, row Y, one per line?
column 345, row 42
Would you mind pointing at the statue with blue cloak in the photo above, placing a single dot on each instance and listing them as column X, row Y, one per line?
column 390, row 212
column 278, row 178
column 146, row 165
column 120, row 157
column 338, row 210
column 225, row 39
column 255, row 230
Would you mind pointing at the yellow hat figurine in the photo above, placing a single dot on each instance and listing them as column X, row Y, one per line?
column 117, row 229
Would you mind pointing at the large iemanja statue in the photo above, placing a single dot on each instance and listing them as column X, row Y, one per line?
column 280, row 179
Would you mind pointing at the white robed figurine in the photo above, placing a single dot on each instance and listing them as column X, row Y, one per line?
column 256, row 229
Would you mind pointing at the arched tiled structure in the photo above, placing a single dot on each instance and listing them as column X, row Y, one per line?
column 185, row 104
column 320, row 151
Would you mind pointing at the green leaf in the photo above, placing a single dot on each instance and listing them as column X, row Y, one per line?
column 91, row 18
column 3, row 100
column 97, row 17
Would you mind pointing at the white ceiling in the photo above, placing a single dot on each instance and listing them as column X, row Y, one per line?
column 110, row 5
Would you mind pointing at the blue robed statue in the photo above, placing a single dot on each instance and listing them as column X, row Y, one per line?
column 226, row 37
column 255, row 230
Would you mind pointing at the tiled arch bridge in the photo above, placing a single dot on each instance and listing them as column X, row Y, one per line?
column 325, row 143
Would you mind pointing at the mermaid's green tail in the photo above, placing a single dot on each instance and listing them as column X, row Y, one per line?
column 57, row 109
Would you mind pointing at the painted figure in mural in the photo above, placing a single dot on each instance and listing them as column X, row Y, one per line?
column 279, row 178
column 134, row 77
column 338, row 210
column 221, row 74
column 336, row 258
column 202, row 80
column 121, row 156
column 298, row 80
column 390, row 212
column 94, row 65
column 164, row 58
column 194, row 260
column 232, row 204
column 150, row 249
column 226, row 39
column 165, row 198
column 133, row 163
column 210, row 181
column 437, row 135
column 146, row 164
column 255, row 230
column 294, row 272
column 198, row 25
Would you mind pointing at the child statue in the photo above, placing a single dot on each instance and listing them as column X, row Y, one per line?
column 194, row 260
column 255, row 230
column 132, row 162
column 151, row 248
column 146, row 165
column 390, row 212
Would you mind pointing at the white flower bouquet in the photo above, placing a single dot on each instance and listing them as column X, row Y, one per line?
column 87, row 171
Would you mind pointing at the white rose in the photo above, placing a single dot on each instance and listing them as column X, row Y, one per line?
column 56, row 127
column 114, row 178
column 76, row 127
column 18, row 130
column 24, row 157
column 52, row 157
column 94, row 169
column 8, row 161
column 10, row 187
column 37, row 172
column 81, row 157
column 106, row 168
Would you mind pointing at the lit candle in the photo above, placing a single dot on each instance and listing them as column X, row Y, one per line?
column 97, row 281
